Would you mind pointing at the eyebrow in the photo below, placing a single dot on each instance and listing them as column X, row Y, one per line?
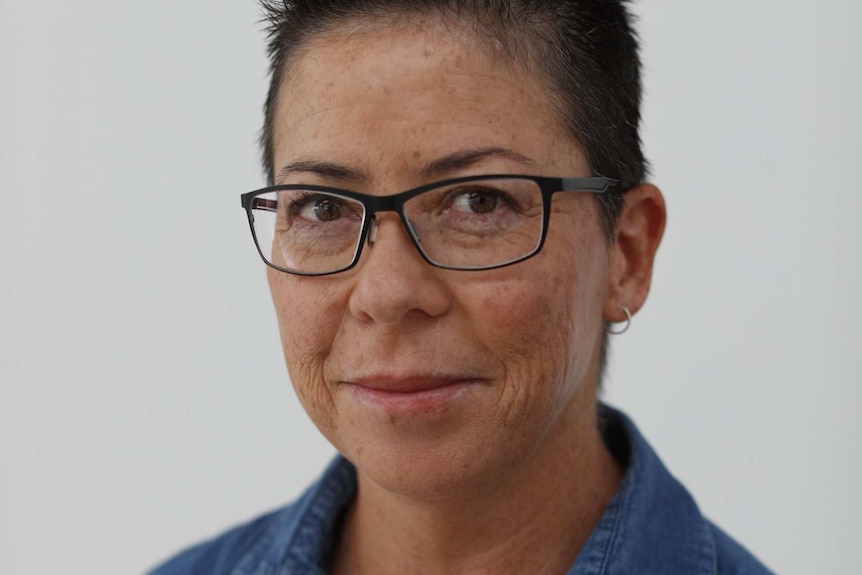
column 329, row 170
column 441, row 166
column 466, row 158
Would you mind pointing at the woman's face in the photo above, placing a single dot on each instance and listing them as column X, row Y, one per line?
column 431, row 380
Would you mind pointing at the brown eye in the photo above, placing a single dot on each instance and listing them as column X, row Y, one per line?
column 482, row 202
column 327, row 211
column 475, row 200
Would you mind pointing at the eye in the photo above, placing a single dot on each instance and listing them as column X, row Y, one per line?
column 477, row 200
column 318, row 208
column 326, row 210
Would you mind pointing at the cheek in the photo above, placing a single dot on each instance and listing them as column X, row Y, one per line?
column 527, row 326
column 309, row 314
column 543, row 331
column 531, row 320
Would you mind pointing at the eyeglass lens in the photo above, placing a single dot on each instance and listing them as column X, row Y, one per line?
column 468, row 225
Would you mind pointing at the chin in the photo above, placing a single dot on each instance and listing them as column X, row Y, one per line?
column 423, row 471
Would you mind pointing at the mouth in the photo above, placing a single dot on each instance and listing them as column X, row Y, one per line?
column 415, row 394
column 408, row 384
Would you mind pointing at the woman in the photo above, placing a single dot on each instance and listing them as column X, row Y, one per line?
column 458, row 215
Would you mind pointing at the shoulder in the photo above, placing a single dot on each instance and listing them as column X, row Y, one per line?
column 653, row 524
column 296, row 538
column 732, row 558
column 222, row 554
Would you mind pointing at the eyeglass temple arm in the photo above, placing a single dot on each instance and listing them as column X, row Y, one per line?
column 598, row 185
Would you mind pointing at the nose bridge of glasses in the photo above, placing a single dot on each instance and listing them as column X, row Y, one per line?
column 381, row 204
column 375, row 223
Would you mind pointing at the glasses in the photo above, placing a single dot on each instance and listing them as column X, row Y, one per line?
column 469, row 223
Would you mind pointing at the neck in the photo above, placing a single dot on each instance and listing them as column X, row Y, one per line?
column 530, row 519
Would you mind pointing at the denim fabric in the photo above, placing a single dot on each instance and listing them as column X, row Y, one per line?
column 652, row 526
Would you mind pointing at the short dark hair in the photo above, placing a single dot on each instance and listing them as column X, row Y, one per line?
column 585, row 51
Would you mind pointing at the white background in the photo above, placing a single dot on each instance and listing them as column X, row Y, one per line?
column 143, row 400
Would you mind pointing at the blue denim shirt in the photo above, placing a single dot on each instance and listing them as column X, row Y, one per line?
column 652, row 526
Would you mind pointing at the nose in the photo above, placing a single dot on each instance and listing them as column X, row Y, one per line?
column 393, row 281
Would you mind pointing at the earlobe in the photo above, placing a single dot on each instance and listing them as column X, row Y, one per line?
column 638, row 234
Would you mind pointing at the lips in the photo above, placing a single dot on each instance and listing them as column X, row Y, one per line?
column 413, row 395
column 411, row 384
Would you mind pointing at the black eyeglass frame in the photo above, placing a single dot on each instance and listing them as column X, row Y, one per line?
column 395, row 203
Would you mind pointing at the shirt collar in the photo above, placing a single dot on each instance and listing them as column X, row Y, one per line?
column 652, row 526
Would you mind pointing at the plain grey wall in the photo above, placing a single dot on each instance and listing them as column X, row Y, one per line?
column 143, row 399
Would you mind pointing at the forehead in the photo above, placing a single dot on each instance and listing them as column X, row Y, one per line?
column 409, row 91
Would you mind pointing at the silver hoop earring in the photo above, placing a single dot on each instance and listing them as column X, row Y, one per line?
column 627, row 325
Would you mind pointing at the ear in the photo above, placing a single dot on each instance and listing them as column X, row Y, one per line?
column 638, row 234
